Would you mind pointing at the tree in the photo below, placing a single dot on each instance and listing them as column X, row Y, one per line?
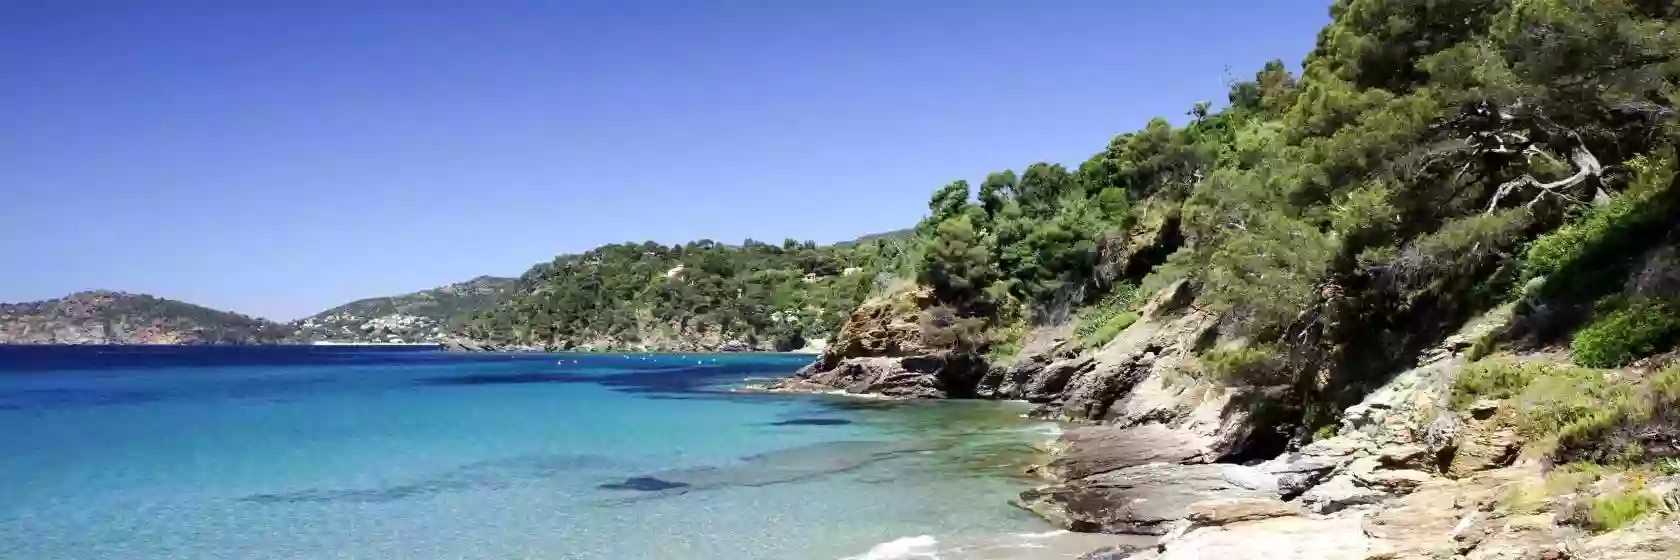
column 958, row 263
column 997, row 189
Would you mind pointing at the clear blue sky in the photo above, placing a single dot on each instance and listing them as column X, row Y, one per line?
column 277, row 157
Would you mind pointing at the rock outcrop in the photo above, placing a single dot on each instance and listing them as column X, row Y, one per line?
column 1405, row 478
column 879, row 351
column 937, row 375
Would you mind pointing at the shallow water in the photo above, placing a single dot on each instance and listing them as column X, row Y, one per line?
column 315, row 452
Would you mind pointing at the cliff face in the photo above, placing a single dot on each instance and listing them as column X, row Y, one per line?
column 101, row 317
column 423, row 316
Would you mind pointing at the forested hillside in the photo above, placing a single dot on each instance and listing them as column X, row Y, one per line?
column 702, row 295
column 1434, row 159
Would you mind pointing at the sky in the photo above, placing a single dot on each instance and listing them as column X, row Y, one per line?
column 280, row 157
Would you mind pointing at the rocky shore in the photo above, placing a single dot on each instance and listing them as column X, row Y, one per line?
column 1155, row 449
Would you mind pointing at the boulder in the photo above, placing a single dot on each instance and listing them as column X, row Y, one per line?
column 887, row 326
column 1488, row 440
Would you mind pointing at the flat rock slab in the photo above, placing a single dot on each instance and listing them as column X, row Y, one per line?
column 1281, row 538
column 1143, row 499
column 1092, row 450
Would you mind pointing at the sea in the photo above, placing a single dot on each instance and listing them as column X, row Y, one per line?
column 139, row 452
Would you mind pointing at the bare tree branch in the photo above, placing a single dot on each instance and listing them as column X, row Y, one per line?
column 1587, row 167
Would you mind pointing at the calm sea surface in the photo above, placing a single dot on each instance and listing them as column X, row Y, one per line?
column 339, row 452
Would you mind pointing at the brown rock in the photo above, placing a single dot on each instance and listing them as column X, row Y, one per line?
column 1487, row 439
column 1225, row 511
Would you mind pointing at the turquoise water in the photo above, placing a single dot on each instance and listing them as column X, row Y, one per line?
column 342, row 453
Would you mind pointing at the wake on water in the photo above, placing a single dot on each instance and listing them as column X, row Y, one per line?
column 1014, row 546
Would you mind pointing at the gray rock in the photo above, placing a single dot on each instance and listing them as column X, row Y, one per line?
column 1144, row 499
column 1047, row 382
column 734, row 346
column 1012, row 382
column 1339, row 493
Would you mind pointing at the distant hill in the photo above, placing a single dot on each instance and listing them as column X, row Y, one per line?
column 417, row 317
column 105, row 317
column 894, row 235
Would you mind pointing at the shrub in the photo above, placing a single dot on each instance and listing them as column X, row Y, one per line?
column 1614, row 511
column 1637, row 429
column 1108, row 330
column 1548, row 397
column 1460, row 248
column 1501, row 379
column 1004, row 342
column 1257, row 365
column 1484, row 345
column 943, row 328
column 1102, row 321
column 1627, row 334
column 1567, row 395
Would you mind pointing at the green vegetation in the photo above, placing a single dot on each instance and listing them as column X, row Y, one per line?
column 1108, row 329
column 627, row 294
column 1245, row 365
column 1547, row 397
column 1627, row 334
column 1585, row 416
column 1428, row 160
column 1640, row 429
column 1102, row 321
column 1606, row 228
column 1616, row 510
